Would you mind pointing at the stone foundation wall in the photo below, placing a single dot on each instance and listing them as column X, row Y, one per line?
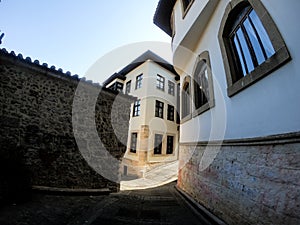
column 254, row 181
column 37, row 137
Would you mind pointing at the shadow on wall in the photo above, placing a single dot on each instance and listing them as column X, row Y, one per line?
column 15, row 183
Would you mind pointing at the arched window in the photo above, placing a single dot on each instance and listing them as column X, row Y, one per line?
column 186, row 100
column 186, row 4
column 251, row 44
column 203, row 84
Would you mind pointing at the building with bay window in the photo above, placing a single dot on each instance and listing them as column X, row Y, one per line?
column 153, row 129
column 238, row 63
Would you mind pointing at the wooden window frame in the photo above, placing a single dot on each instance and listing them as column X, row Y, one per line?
column 278, row 59
column 203, row 58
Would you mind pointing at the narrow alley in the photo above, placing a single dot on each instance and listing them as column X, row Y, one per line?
column 161, row 205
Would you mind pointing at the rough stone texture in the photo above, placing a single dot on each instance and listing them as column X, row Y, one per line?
column 246, row 184
column 37, row 131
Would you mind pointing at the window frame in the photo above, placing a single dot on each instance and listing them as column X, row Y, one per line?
column 159, row 107
column 131, row 150
column 171, row 113
column 186, row 97
column 278, row 59
column 186, row 7
column 172, row 145
column 128, row 87
column 138, row 81
column 203, row 57
column 136, row 108
column 171, row 91
column 158, row 145
column 160, row 82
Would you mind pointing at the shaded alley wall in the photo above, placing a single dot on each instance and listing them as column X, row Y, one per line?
column 37, row 144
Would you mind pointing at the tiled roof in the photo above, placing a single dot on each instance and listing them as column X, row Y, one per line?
column 137, row 62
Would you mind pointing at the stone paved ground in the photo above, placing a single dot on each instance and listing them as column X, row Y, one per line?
column 160, row 205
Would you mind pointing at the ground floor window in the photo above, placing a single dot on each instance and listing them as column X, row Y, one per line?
column 158, row 143
column 170, row 144
column 133, row 142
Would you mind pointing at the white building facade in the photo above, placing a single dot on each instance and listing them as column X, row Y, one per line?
column 239, row 134
column 153, row 129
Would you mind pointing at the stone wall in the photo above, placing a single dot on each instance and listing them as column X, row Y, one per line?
column 37, row 138
column 255, row 181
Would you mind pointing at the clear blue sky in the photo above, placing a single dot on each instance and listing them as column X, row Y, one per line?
column 73, row 34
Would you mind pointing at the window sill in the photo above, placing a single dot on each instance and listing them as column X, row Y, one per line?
column 186, row 118
column 204, row 108
column 281, row 57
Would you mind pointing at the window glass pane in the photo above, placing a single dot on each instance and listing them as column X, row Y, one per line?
column 254, row 41
column 262, row 34
column 186, row 101
column 245, row 50
column 170, row 141
column 133, row 142
column 158, row 144
column 201, row 85
column 239, row 51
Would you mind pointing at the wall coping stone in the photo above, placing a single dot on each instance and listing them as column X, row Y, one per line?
column 28, row 63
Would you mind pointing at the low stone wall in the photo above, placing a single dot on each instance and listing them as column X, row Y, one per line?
column 255, row 181
column 37, row 137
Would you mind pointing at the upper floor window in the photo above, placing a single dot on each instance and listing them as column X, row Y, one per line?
column 133, row 142
column 138, row 82
column 186, row 104
column 160, row 82
column 158, row 143
column 203, row 85
column 128, row 87
column 117, row 86
column 186, row 4
column 137, row 108
column 251, row 43
column 171, row 88
column 159, row 109
column 170, row 113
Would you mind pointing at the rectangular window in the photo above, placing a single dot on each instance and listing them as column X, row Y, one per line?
column 160, row 82
column 119, row 87
column 137, row 108
column 171, row 89
column 128, row 87
column 170, row 144
column 159, row 109
column 133, row 142
column 138, row 82
column 170, row 113
column 158, row 143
